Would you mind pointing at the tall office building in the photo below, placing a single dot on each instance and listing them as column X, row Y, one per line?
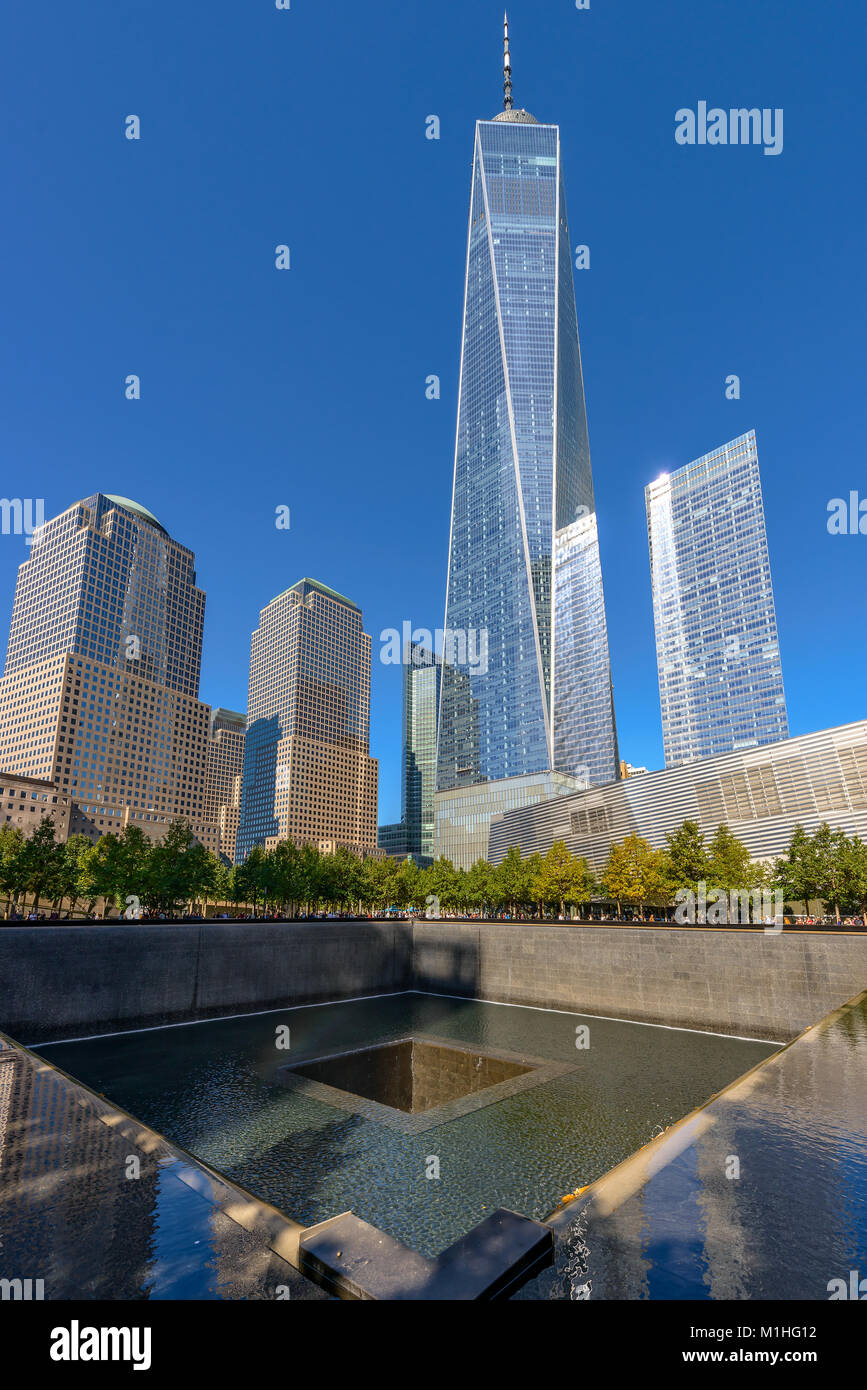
column 414, row 834
column 537, row 717
column 421, row 691
column 308, row 774
column 717, row 651
column 223, row 780
column 99, row 693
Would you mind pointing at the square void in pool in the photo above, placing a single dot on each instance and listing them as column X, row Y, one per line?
column 418, row 1082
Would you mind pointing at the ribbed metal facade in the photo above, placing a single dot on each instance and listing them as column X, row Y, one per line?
column 761, row 795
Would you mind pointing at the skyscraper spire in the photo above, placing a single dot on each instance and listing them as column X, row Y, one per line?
column 507, row 66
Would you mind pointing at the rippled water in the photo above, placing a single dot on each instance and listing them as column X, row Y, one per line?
column 211, row 1088
column 789, row 1222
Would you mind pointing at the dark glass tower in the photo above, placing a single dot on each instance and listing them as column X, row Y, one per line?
column 524, row 562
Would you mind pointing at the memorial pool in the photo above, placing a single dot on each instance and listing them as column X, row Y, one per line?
column 290, row 1124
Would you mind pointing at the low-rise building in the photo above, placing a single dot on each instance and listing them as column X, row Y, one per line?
column 25, row 802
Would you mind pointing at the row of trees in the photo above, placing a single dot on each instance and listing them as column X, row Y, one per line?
column 162, row 876
column 828, row 867
column 136, row 874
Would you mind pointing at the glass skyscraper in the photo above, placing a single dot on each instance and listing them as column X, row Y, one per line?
column 413, row 835
column 717, row 650
column 421, row 686
column 524, row 565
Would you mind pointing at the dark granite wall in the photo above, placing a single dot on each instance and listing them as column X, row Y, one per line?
column 58, row 982
column 68, row 981
column 740, row 982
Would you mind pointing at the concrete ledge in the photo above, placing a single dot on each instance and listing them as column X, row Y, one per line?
column 744, row 983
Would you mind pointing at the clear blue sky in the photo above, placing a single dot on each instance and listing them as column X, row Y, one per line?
column 306, row 388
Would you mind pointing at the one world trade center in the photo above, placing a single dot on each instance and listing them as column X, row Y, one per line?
column 536, row 718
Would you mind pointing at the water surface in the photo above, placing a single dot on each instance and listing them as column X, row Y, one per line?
column 212, row 1088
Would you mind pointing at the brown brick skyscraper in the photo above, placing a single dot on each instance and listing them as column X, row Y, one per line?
column 100, row 688
column 308, row 774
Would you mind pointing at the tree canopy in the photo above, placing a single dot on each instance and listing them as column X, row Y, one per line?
column 134, row 875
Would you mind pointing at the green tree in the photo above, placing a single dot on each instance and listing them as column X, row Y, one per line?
column 800, row 870
column 687, row 863
column 730, row 866
column 251, row 877
column 831, row 848
column 407, row 883
column 96, row 872
column 42, row 856
column 855, row 874
column 130, row 864
column 441, row 883
column 460, row 890
column 179, row 870
column 340, row 878
column 483, row 887
column 534, row 871
column 311, row 878
column 224, row 883
column 281, row 877
column 622, row 877
column 377, row 882
column 13, row 865
column 71, row 871
column 559, row 879
column 515, row 880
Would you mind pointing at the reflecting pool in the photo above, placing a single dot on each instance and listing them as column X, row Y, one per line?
column 562, row 1098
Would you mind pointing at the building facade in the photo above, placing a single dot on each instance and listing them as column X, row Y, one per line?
column 308, row 774
column 393, row 840
column 223, row 778
column 466, row 816
column 761, row 794
column 524, row 564
column 717, row 649
column 413, row 835
column 25, row 802
column 99, row 694
column 422, row 671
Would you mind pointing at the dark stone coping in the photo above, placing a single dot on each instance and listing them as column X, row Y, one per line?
column 542, row 1070
column 355, row 1260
